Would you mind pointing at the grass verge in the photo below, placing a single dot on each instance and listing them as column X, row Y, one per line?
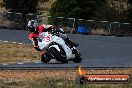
column 11, row 52
column 54, row 79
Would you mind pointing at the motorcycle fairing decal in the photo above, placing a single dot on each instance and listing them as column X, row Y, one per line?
column 48, row 38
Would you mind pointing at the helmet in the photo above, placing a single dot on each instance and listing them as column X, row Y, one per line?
column 32, row 25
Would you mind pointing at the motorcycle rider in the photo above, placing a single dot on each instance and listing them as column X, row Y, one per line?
column 37, row 30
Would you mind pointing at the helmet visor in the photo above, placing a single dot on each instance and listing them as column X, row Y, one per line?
column 31, row 29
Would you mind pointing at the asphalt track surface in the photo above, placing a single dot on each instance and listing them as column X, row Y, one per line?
column 97, row 51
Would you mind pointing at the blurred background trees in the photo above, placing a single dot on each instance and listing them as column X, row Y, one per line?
column 109, row 10
column 23, row 7
column 86, row 9
column 130, row 11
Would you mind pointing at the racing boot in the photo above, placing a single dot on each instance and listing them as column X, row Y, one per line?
column 74, row 51
column 71, row 43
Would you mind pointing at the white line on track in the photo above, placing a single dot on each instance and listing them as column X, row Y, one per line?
column 13, row 42
column 36, row 62
column 23, row 62
column 20, row 43
column 20, row 63
column 5, row 64
column 53, row 60
column 5, row 41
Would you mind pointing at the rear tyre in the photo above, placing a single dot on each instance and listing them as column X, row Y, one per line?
column 45, row 59
column 59, row 56
column 77, row 58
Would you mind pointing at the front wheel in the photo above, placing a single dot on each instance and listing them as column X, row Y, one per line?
column 60, row 56
column 45, row 59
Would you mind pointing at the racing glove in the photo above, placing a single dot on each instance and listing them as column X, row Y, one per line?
column 43, row 52
column 37, row 48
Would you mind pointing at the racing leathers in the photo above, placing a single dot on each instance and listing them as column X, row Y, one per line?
column 43, row 28
column 34, row 35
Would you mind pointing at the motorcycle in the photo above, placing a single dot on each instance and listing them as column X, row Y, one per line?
column 56, row 48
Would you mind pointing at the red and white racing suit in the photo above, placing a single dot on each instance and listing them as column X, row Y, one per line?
column 34, row 35
column 43, row 28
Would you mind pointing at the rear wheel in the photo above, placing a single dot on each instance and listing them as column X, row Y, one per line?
column 77, row 58
column 59, row 56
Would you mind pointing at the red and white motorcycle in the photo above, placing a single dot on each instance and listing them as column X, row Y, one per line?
column 57, row 49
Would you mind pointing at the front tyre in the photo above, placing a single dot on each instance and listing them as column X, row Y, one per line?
column 44, row 58
column 60, row 56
